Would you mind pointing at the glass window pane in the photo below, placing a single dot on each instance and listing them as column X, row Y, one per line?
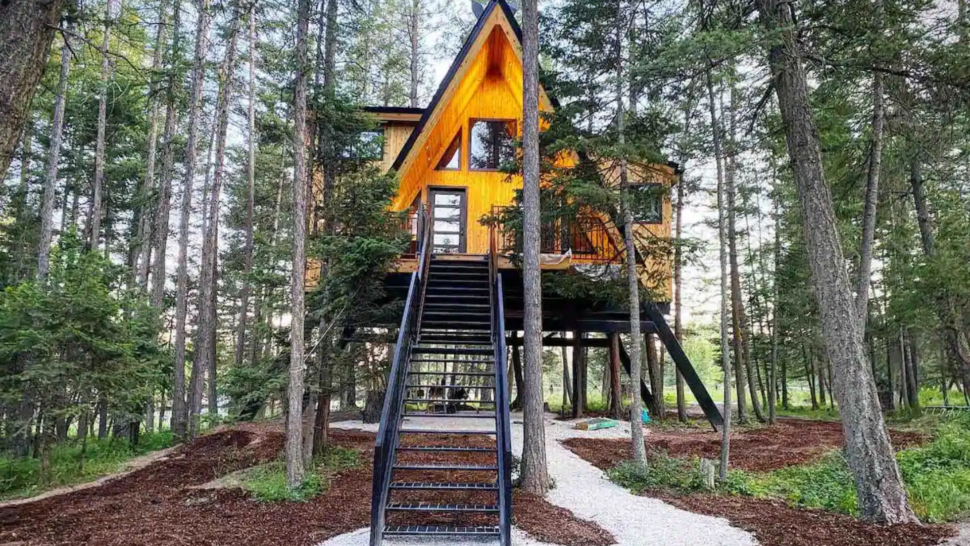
column 451, row 159
column 448, row 199
column 648, row 203
column 445, row 226
column 369, row 146
column 445, row 213
column 445, row 240
column 492, row 144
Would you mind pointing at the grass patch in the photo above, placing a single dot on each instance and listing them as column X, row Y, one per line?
column 662, row 472
column 267, row 483
column 20, row 478
column 937, row 478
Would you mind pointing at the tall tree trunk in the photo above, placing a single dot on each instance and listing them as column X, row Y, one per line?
column 94, row 229
column 53, row 161
column 26, row 31
column 655, row 377
column 518, row 375
column 164, row 199
column 678, row 297
column 567, row 393
column 868, row 450
column 958, row 346
column 872, row 183
column 742, row 359
column 723, row 259
column 775, row 320
column 250, row 197
column 616, row 393
column 294, row 432
column 630, row 269
column 205, row 358
column 324, row 398
column 912, row 370
column 180, row 414
column 145, row 209
column 414, row 36
column 535, row 473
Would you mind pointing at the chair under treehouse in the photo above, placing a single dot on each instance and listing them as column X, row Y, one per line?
column 443, row 460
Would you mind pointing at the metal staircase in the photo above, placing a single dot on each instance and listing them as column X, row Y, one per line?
column 442, row 462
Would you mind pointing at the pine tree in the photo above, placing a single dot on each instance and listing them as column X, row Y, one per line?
column 535, row 474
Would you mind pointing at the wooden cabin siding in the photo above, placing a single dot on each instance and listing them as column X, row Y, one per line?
column 395, row 135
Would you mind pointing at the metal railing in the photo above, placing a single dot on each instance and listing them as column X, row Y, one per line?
column 391, row 415
column 588, row 236
column 503, row 425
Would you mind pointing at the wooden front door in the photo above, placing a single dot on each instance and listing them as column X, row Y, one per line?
column 448, row 216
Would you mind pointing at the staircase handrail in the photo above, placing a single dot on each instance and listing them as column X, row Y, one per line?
column 387, row 437
column 502, row 422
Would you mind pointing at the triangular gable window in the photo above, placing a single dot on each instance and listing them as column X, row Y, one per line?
column 451, row 159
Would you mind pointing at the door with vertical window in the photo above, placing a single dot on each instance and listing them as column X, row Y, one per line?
column 448, row 215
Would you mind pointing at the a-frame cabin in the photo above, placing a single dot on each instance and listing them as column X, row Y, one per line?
column 442, row 463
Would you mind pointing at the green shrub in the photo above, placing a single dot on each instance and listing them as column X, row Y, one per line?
column 937, row 478
column 662, row 472
column 21, row 477
column 827, row 484
column 267, row 483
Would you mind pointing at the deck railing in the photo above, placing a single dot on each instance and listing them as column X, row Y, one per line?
column 391, row 415
column 589, row 237
column 503, row 427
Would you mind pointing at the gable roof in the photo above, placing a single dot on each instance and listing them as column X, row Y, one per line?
column 469, row 44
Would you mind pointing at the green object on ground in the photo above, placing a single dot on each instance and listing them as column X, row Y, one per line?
column 596, row 424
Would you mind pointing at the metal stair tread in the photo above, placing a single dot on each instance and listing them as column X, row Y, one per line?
column 440, row 530
column 459, row 432
column 449, row 449
column 452, row 415
column 445, row 486
column 437, row 507
column 485, row 387
column 446, row 467
column 441, row 401
column 458, row 374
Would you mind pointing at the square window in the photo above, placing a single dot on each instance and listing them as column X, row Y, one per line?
column 369, row 146
column 492, row 144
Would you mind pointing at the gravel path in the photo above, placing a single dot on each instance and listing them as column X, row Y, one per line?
column 584, row 490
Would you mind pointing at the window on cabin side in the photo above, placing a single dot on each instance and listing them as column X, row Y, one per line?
column 369, row 146
column 492, row 144
column 648, row 203
column 451, row 159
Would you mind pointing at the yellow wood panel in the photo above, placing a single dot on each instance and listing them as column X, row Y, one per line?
column 395, row 136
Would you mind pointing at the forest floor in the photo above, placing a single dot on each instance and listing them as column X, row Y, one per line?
column 183, row 497
column 789, row 443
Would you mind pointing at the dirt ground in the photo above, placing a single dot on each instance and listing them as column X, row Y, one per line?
column 789, row 442
column 774, row 523
column 162, row 505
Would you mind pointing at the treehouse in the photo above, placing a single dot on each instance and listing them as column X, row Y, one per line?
column 442, row 462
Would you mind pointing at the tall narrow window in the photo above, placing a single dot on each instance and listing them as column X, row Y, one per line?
column 648, row 203
column 492, row 144
column 451, row 159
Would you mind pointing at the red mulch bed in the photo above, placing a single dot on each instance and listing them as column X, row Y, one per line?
column 773, row 522
column 789, row 442
column 157, row 505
